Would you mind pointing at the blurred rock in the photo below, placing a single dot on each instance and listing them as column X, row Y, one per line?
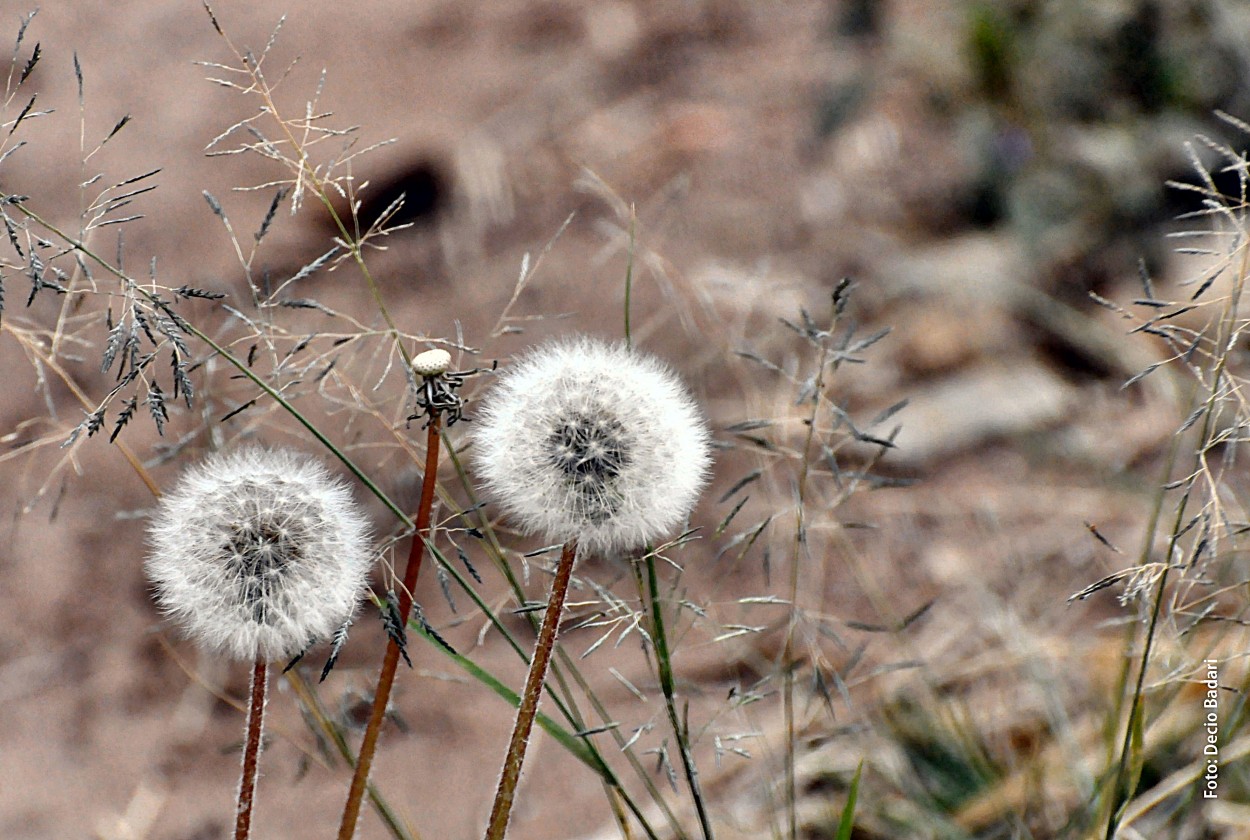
column 993, row 401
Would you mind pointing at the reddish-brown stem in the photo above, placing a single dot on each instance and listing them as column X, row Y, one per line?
column 528, row 709
column 251, row 752
column 351, row 811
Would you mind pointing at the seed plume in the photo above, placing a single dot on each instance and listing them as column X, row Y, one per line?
column 586, row 440
column 258, row 553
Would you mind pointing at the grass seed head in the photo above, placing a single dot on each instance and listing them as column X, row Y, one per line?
column 259, row 553
column 587, row 440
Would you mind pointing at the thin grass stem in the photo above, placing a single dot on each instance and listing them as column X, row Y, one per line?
column 664, row 667
column 565, row 664
column 621, row 743
column 1124, row 787
column 328, row 728
column 800, row 531
column 629, row 273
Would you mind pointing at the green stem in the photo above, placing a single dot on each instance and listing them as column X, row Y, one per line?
column 329, row 729
column 629, row 274
column 664, row 665
column 565, row 663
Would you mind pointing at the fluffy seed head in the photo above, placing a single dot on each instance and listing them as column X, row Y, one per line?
column 593, row 441
column 258, row 553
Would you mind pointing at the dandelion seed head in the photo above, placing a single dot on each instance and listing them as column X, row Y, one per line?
column 587, row 440
column 258, row 553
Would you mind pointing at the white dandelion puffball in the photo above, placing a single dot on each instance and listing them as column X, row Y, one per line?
column 591, row 441
column 259, row 553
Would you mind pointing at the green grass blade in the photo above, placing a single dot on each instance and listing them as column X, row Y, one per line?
column 575, row 745
column 847, row 823
column 571, row 742
column 664, row 670
column 333, row 733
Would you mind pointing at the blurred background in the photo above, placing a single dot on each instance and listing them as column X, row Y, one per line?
column 976, row 169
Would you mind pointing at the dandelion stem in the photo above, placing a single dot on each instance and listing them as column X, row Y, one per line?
column 528, row 709
column 251, row 753
column 386, row 678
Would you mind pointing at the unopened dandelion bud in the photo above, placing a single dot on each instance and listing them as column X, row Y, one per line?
column 259, row 554
column 431, row 362
column 591, row 441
